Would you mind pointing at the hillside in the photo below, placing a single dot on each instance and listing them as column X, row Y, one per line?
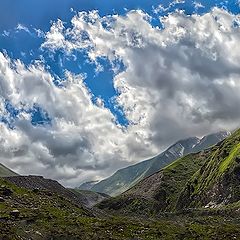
column 158, row 192
column 125, row 178
column 217, row 183
column 87, row 185
column 36, row 183
column 32, row 207
column 90, row 198
column 6, row 172
column 43, row 215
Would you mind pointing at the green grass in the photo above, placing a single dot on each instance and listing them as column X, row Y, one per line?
column 227, row 162
column 216, row 181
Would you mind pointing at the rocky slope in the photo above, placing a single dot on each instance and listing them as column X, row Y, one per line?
column 160, row 191
column 36, row 183
column 90, row 198
column 125, row 178
column 6, row 172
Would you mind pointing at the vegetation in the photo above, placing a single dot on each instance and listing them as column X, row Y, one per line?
column 160, row 191
column 217, row 182
column 45, row 215
column 128, row 177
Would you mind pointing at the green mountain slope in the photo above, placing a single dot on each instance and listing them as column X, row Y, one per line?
column 6, row 172
column 217, row 183
column 125, row 178
column 35, row 208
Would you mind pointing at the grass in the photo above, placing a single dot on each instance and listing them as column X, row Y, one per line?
column 227, row 162
column 217, row 181
column 167, row 184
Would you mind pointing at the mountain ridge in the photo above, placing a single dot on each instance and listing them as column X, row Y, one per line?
column 6, row 172
column 125, row 178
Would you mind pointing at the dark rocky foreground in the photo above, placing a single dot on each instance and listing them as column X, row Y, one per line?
column 38, row 213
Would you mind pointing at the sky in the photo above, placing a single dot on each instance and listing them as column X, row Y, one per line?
column 88, row 87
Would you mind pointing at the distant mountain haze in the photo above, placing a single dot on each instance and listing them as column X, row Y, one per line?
column 88, row 185
column 127, row 177
column 6, row 172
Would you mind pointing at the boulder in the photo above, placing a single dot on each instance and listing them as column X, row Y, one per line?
column 5, row 191
column 15, row 213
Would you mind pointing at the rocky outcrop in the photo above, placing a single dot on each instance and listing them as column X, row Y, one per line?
column 36, row 183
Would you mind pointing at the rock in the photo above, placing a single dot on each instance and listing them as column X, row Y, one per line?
column 2, row 199
column 5, row 191
column 35, row 190
column 15, row 213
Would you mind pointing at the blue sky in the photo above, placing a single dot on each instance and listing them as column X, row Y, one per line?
column 78, row 102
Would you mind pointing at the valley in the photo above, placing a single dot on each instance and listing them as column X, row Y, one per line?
column 194, row 197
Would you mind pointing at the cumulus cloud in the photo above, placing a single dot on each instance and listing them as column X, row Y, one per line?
column 179, row 81
column 82, row 141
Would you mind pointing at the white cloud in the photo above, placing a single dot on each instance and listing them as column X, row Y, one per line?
column 5, row 33
column 198, row 5
column 180, row 81
column 181, row 71
column 21, row 27
column 83, row 138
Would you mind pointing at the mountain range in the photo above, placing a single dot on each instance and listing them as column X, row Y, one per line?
column 127, row 177
column 197, row 196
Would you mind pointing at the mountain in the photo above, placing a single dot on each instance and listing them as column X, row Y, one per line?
column 87, row 185
column 158, row 192
column 6, row 172
column 125, row 178
column 210, row 179
column 79, row 197
column 90, row 198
